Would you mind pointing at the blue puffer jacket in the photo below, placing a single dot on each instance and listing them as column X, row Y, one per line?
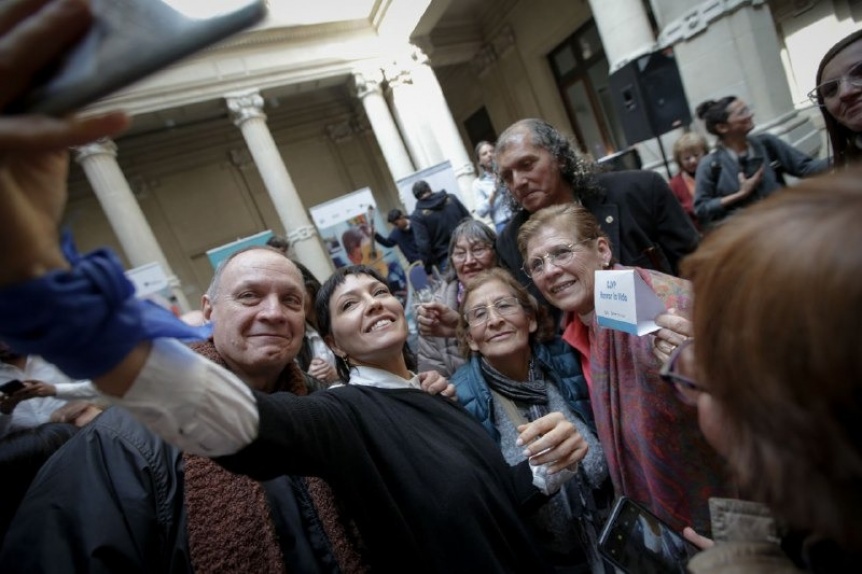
column 556, row 358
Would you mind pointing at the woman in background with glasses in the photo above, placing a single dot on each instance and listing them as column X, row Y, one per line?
column 471, row 251
column 656, row 454
column 519, row 372
column 839, row 95
column 776, row 374
column 742, row 168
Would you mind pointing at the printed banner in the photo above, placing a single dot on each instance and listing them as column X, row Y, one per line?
column 347, row 226
column 219, row 254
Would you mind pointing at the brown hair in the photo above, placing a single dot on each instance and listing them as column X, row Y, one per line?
column 545, row 324
column 777, row 308
column 841, row 137
column 575, row 217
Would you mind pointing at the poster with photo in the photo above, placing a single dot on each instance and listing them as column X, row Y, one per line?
column 218, row 254
column 347, row 226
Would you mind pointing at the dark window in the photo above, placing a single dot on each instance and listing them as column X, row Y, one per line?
column 479, row 127
column 581, row 73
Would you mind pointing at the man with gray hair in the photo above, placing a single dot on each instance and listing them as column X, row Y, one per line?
column 645, row 223
column 159, row 510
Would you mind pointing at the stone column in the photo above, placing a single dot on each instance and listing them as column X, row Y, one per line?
column 444, row 127
column 247, row 111
column 732, row 48
column 624, row 28
column 367, row 86
column 409, row 107
column 99, row 161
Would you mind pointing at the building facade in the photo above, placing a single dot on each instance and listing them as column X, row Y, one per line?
column 307, row 107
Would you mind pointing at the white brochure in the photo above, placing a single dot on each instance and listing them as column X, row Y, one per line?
column 626, row 303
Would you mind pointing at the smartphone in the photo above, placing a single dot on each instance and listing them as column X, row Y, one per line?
column 636, row 541
column 130, row 39
column 12, row 386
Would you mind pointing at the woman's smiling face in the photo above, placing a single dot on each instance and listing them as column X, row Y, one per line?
column 368, row 323
column 571, row 285
column 505, row 331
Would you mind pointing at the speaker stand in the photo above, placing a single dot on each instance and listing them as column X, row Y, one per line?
column 663, row 156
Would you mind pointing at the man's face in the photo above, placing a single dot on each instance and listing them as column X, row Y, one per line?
column 401, row 223
column 532, row 174
column 486, row 157
column 258, row 314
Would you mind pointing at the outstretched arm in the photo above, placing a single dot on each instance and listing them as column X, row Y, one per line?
column 385, row 241
column 34, row 35
column 33, row 158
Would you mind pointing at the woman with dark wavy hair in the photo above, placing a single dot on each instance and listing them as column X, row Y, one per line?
column 839, row 95
column 743, row 168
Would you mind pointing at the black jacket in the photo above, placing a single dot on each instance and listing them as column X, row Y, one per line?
column 111, row 500
column 403, row 238
column 433, row 221
column 645, row 223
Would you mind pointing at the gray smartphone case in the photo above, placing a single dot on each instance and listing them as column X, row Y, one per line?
column 130, row 39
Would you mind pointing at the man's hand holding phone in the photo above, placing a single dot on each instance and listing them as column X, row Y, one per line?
column 34, row 36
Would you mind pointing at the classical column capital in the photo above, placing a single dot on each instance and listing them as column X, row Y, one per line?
column 398, row 75
column 367, row 82
column 301, row 234
column 483, row 60
column 418, row 56
column 103, row 146
column 244, row 106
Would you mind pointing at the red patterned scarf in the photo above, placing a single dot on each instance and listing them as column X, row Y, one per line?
column 656, row 452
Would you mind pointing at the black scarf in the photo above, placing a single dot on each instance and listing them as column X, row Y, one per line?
column 531, row 395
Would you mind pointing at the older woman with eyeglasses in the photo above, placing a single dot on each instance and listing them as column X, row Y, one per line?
column 519, row 372
column 839, row 95
column 471, row 251
column 656, row 453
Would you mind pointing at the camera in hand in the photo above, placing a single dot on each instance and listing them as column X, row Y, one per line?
column 12, row 386
column 637, row 542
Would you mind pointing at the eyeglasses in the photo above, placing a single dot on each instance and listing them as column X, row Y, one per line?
column 505, row 307
column 558, row 257
column 477, row 252
column 687, row 389
column 828, row 90
column 743, row 112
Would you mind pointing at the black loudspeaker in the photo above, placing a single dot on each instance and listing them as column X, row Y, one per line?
column 648, row 96
column 622, row 160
